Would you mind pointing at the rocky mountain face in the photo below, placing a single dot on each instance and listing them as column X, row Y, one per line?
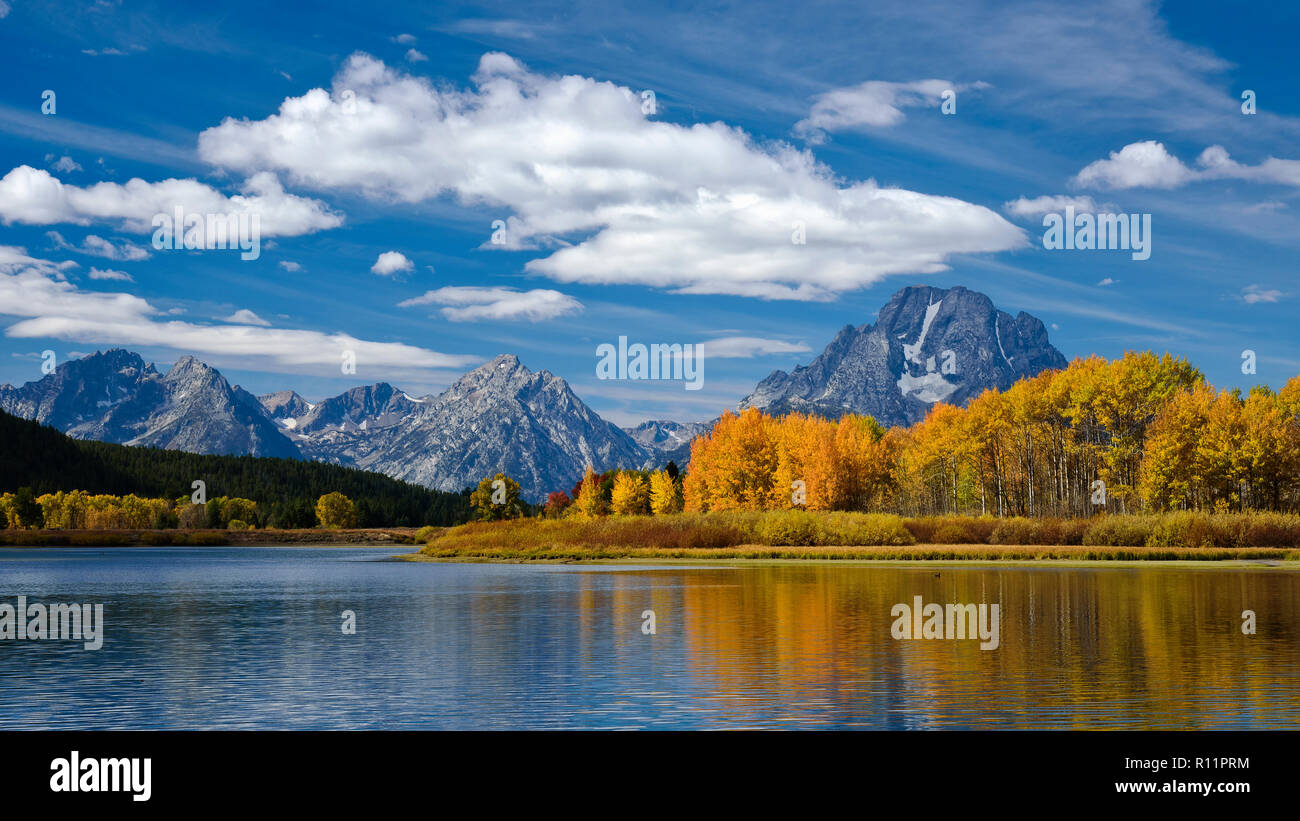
column 667, row 441
column 116, row 397
column 498, row 417
column 928, row 345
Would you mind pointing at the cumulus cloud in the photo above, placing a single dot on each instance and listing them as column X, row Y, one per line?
column 290, row 266
column 1252, row 294
column 35, row 197
column 1053, row 204
column 875, row 104
column 49, row 306
column 415, row 56
column 110, row 274
column 1105, row 281
column 1137, row 165
column 614, row 196
column 1149, row 165
column 747, row 347
column 391, row 262
column 97, row 246
column 404, row 39
column 246, row 317
column 470, row 303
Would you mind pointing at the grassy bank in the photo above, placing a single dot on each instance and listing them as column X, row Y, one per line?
column 832, row 535
column 206, row 538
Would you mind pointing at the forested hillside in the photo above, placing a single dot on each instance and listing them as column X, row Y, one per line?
column 46, row 460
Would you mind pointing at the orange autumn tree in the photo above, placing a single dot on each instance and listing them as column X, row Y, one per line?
column 752, row 461
column 1142, row 432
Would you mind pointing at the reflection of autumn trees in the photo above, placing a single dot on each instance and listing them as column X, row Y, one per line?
column 1079, row 648
column 1147, row 426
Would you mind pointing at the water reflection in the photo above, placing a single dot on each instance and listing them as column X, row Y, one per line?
column 231, row 638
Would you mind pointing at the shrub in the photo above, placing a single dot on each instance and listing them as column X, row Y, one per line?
column 426, row 533
column 790, row 527
column 952, row 529
column 334, row 510
column 1119, row 530
column 863, row 529
column 1048, row 530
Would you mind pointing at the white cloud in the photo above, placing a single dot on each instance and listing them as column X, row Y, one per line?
column 246, row 317
column 1106, row 281
column 415, row 56
column 1137, row 165
column 747, row 347
column 875, row 104
column 404, row 39
column 64, row 164
column 1218, row 165
column 51, row 307
column 4, row 9
column 1148, row 165
column 620, row 197
column 470, row 303
column 1252, row 294
column 110, row 274
column 96, row 246
column 391, row 262
column 35, row 197
column 290, row 266
column 1049, row 204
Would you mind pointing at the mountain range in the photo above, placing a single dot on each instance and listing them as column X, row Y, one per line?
column 927, row 345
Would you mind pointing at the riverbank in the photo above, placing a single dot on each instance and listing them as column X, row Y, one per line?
column 350, row 537
column 832, row 536
column 911, row 553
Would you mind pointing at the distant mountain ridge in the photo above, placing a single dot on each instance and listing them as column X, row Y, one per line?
column 927, row 345
column 116, row 397
column 499, row 417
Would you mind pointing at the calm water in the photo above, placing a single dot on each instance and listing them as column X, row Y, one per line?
column 251, row 638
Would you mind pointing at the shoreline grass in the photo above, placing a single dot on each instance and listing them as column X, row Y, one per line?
column 923, row 552
column 834, row 536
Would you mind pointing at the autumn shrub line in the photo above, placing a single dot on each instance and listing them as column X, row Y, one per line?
column 79, row 510
column 101, row 538
column 572, row 553
column 622, row 536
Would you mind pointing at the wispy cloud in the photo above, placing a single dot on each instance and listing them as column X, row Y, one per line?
column 51, row 307
column 470, row 303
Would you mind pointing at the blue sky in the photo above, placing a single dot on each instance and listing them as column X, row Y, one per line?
column 378, row 143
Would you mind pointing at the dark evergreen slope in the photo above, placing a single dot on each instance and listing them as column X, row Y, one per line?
column 42, row 458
